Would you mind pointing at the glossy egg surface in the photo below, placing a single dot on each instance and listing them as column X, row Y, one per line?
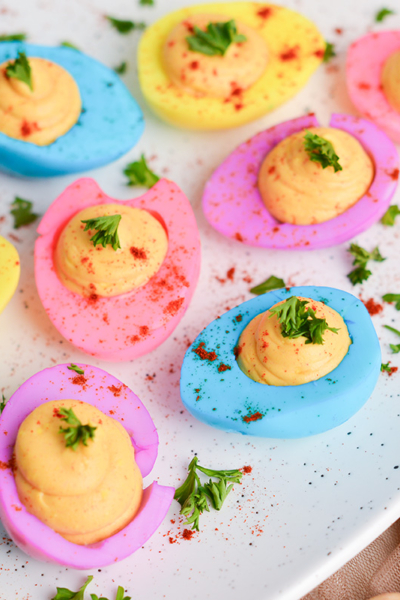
column 295, row 50
column 127, row 326
column 110, row 124
column 233, row 206
column 111, row 396
column 218, row 393
column 365, row 60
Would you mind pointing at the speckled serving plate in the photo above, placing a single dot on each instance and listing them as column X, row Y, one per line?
column 110, row 124
column 308, row 505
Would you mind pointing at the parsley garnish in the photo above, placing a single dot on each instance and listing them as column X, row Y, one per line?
column 69, row 45
column 107, row 230
column 383, row 13
column 2, row 403
column 361, row 258
column 77, row 432
column 272, row 283
column 390, row 215
column 321, row 151
column 14, row 37
column 125, row 26
column 121, row 69
column 392, row 298
column 64, row 594
column 216, row 39
column 119, row 596
column 395, row 347
column 329, row 52
column 146, row 2
column 194, row 497
column 20, row 69
column 385, row 367
column 297, row 321
column 139, row 173
column 22, row 212
column 78, row 370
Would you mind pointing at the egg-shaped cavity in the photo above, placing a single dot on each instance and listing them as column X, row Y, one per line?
column 216, row 391
column 216, row 66
column 83, row 506
column 100, row 490
column 373, row 80
column 118, row 320
column 269, row 354
column 87, row 269
column 10, row 270
column 259, row 178
column 76, row 115
column 42, row 113
column 298, row 190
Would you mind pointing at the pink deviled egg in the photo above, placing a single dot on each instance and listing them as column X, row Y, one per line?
column 122, row 325
column 234, row 206
column 367, row 60
column 97, row 388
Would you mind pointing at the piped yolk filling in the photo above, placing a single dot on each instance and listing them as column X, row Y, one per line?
column 299, row 191
column 390, row 80
column 85, row 495
column 217, row 76
column 265, row 356
column 87, row 270
column 43, row 114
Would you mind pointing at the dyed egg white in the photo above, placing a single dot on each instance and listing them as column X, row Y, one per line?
column 121, row 327
column 365, row 60
column 233, row 205
column 10, row 270
column 110, row 123
column 218, row 393
column 111, row 396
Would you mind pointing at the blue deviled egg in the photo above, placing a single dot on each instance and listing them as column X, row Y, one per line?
column 217, row 391
column 95, row 120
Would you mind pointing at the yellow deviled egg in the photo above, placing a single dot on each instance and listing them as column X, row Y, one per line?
column 217, row 66
column 9, row 272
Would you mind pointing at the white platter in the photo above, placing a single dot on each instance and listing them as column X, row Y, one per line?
column 309, row 505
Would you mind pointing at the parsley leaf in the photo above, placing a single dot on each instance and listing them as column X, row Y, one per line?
column 125, row 26
column 2, row 403
column 392, row 298
column 78, row 370
column 20, row 69
column 119, row 596
column 322, row 151
column 121, row 69
column 107, row 230
column 22, row 212
column 297, row 321
column 139, row 173
column 64, row 594
column 383, row 13
column 395, row 347
column 390, row 215
column 194, row 497
column 385, row 367
column 329, row 52
column 146, row 2
column 77, row 432
column 216, row 39
column 361, row 258
column 272, row 283
column 14, row 37
column 69, row 45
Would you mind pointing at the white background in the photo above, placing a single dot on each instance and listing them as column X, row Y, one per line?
column 309, row 505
